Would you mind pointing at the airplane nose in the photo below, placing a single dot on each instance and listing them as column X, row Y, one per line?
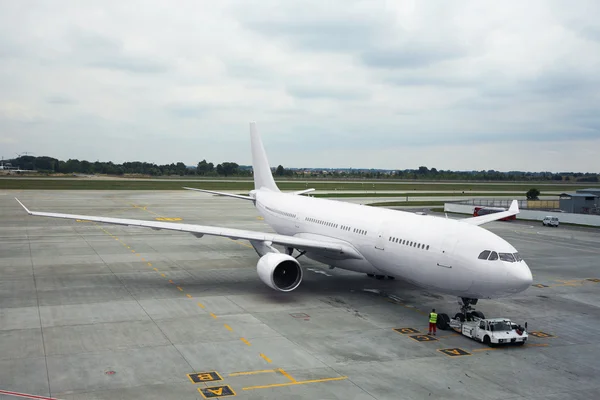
column 521, row 277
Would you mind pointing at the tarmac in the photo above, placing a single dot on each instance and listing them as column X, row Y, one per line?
column 91, row 311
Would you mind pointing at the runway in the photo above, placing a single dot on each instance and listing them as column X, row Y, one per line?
column 91, row 311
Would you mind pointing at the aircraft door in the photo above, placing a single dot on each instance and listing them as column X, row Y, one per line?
column 381, row 237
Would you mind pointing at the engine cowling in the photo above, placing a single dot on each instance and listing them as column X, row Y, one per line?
column 279, row 271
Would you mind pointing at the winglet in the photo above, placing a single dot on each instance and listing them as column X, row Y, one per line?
column 23, row 205
column 514, row 206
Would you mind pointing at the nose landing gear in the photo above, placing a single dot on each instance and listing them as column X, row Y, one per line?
column 466, row 313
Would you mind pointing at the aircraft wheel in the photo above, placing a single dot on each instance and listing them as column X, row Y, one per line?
column 478, row 314
column 460, row 316
column 443, row 322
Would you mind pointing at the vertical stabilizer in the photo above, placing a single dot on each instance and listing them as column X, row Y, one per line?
column 263, row 178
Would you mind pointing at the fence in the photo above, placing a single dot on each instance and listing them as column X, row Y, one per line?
column 523, row 204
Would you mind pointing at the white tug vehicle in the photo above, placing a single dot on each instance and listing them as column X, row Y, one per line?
column 489, row 331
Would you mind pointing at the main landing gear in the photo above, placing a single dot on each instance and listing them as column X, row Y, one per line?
column 380, row 277
column 466, row 313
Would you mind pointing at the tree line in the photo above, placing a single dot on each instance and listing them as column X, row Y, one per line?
column 226, row 169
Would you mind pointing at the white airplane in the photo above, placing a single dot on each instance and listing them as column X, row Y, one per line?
column 455, row 257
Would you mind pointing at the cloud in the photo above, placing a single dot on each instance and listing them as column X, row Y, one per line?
column 103, row 52
column 60, row 100
column 361, row 83
column 322, row 92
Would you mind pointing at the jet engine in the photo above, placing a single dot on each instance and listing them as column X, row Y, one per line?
column 279, row 271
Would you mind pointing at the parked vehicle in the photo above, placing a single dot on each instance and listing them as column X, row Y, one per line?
column 550, row 221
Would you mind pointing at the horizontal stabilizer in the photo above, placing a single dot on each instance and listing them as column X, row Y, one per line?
column 484, row 219
column 237, row 196
column 303, row 191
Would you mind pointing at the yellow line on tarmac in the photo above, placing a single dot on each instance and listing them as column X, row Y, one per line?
column 287, row 375
column 295, row 383
column 149, row 264
column 180, row 289
column 267, row 359
column 163, row 275
column 228, row 327
column 200, row 305
column 245, row 341
column 213, row 315
column 262, row 371
column 189, row 295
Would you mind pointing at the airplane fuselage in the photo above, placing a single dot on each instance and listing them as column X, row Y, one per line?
column 432, row 252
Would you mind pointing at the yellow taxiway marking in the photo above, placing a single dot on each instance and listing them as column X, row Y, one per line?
column 143, row 259
column 486, row 349
column 189, row 296
column 127, row 246
column 286, row 375
column 200, row 305
column 163, row 275
column 213, row 315
column 149, row 264
column 261, row 371
column 138, row 254
column 340, row 378
column 170, row 281
column 260, row 218
column 245, row 341
column 156, row 269
column 133, row 251
column 267, row 359
column 228, row 327
column 180, row 289
column 241, row 244
column 537, row 345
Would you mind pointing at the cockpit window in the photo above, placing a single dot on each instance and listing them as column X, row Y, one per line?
column 518, row 257
column 493, row 256
column 507, row 257
column 484, row 255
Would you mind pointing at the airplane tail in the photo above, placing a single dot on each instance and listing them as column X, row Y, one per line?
column 263, row 178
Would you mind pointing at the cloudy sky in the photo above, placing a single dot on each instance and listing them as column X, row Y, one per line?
column 510, row 85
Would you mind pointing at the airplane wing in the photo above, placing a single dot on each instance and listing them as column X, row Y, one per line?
column 484, row 219
column 237, row 196
column 340, row 249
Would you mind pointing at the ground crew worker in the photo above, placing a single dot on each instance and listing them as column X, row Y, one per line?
column 432, row 321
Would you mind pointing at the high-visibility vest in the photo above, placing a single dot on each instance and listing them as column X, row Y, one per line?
column 433, row 317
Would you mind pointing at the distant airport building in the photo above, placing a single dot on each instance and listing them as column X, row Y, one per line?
column 583, row 201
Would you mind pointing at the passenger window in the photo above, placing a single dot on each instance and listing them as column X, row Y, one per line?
column 484, row 255
column 427, row 247
column 507, row 257
column 493, row 256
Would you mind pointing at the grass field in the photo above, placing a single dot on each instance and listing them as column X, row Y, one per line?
column 125, row 184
